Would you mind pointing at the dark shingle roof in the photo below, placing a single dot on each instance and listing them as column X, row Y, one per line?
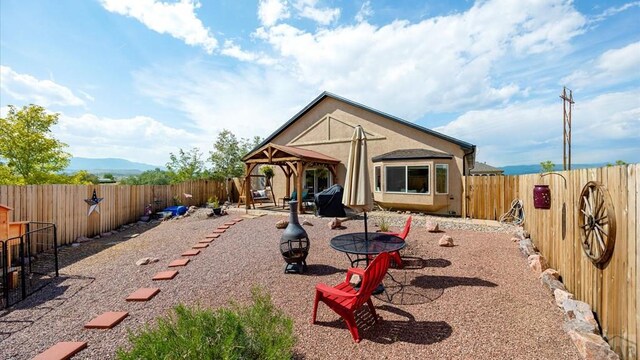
column 469, row 148
column 412, row 154
column 482, row 168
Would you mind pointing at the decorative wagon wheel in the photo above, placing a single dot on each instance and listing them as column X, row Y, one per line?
column 597, row 222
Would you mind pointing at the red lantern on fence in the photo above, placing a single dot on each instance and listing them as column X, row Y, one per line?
column 541, row 197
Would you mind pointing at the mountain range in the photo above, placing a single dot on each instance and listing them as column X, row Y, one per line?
column 534, row 169
column 108, row 165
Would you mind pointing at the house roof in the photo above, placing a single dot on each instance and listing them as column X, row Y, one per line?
column 412, row 154
column 469, row 148
column 483, row 168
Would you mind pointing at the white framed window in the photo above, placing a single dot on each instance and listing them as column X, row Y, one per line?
column 407, row 179
column 377, row 175
column 442, row 179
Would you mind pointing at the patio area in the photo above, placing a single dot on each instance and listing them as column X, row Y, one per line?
column 475, row 300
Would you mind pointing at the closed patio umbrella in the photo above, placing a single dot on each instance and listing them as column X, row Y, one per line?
column 357, row 189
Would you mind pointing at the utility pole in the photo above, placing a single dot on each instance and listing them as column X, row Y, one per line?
column 567, row 104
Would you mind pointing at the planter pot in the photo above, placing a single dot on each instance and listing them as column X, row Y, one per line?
column 144, row 218
column 217, row 211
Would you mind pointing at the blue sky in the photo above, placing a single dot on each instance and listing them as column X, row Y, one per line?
column 140, row 79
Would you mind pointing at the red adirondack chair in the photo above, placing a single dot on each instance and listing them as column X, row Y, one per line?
column 396, row 254
column 345, row 300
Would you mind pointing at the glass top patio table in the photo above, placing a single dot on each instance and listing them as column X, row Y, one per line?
column 374, row 244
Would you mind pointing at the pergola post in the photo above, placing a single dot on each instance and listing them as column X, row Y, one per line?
column 299, row 187
column 247, row 186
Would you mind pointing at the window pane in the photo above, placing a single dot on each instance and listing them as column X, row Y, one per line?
column 309, row 176
column 418, row 179
column 442, row 181
column 378, row 179
column 395, row 178
column 323, row 179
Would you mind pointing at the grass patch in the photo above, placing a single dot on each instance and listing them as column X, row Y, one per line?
column 257, row 331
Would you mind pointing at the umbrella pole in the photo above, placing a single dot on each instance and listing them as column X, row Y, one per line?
column 366, row 236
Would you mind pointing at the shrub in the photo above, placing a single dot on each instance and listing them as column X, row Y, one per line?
column 258, row 331
column 383, row 225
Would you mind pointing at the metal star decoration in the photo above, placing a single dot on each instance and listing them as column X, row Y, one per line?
column 94, row 203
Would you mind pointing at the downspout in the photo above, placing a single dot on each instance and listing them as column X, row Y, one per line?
column 466, row 172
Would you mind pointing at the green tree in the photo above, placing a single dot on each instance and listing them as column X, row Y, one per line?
column 547, row 166
column 185, row 165
column 7, row 177
column 28, row 146
column 618, row 162
column 109, row 176
column 149, row 177
column 227, row 154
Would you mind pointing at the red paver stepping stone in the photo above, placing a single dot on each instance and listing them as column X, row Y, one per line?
column 219, row 231
column 206, row 241
column 212, row 236
column 224, row 227
column 231, row 223
column 200, row 246
column 143, row 294
column 165, row 275
column 107, row 320
column 190, row 253
column 62, row 350
column 238, row 219
column 179, row 262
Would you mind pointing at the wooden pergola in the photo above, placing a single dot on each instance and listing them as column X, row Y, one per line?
column 292, row 160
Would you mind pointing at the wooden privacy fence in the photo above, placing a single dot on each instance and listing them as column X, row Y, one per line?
column 612, row 288
column 64, row 205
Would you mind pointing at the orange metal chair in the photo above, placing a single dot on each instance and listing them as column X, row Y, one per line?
column 344, row 299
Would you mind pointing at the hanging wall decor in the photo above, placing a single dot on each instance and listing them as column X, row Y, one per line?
column 93, row 202
column 597, row 222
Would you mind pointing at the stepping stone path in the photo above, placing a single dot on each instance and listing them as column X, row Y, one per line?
column 106, row 320
column 143, row 294
column 191, row 252
column 62, row 350
column 67, row 349
column 165, row 275
column 179, row 262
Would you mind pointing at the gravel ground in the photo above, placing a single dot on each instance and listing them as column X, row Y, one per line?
column 477, row 300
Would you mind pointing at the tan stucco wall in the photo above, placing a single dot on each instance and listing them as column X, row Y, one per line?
column 384, row 135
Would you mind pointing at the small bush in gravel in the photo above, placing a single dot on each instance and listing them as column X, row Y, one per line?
column 258, row 331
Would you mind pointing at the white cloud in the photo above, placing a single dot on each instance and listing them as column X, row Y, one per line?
column 235, row 51
column 309, row 9
column 436, row 65
column 604, row 128
column 139, row 138
column 24, row 87
column 612, row 67
column 176, row 19
column 613, row 11
column 272, row 11
column 365, row 12
column 250, row 101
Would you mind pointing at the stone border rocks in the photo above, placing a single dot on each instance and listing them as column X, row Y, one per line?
column 579, row 321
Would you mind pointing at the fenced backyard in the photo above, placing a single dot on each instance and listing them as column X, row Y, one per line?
column 64, row 205
column 611, row 288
